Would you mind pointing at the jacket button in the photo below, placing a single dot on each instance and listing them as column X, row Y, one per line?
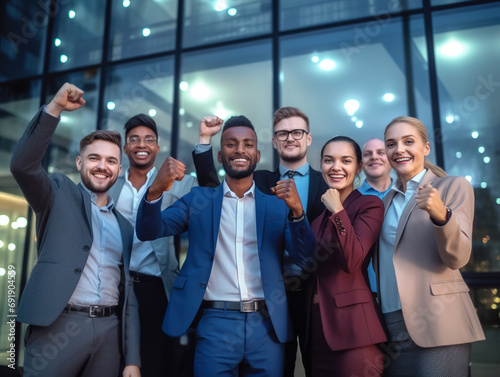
column 342, row 232
column 78, row 270
column 203, row 284
column 86, row 248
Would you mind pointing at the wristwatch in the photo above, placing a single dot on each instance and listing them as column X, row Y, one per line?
column 441, row 223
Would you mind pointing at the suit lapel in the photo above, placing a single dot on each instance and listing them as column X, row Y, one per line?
column 88, row 209
column 426, row 179
column 260, row 215
column 216, row 212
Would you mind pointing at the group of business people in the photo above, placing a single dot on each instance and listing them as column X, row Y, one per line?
column 272, row 255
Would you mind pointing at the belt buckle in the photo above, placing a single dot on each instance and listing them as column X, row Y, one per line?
column 92, row 311
column 249, row 306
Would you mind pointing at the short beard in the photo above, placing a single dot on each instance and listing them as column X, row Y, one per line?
column 237, row 174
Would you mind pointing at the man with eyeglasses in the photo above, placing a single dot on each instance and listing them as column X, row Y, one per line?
column 154, row 264
column 291, row 139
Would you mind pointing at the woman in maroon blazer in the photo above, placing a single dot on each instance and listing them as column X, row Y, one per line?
column 344, row 327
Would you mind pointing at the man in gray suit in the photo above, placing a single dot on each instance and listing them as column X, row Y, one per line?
column 154, row 265
column 80, row 283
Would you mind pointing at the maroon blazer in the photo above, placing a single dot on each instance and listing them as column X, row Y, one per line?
column 349, row 315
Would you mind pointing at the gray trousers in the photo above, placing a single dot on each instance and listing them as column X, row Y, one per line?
column 403, row 358
column 74, row 345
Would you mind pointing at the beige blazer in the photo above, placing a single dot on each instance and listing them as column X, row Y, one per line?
column 435, row 300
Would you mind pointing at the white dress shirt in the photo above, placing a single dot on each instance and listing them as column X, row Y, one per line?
column 236, row 274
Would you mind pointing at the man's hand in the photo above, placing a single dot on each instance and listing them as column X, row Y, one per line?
column 287, row 191
column 428, row 199
column 331, row 200
column 209, row 127
column 131, row 371
column 68, row 98
column 171, row 170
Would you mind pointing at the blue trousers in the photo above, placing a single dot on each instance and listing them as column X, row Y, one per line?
column 231, row 343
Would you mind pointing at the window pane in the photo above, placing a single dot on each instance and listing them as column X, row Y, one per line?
column 18, row 103
column 467, row 56
column 226, row 82
column 142, row 27
column 221, row 20
column 347, row 88
column 74, row 125
column 484, row 355
column 78, row 31
column 24, row 29
column 304, row 13
column 145, row 87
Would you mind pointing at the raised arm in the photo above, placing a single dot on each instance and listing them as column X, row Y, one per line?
column 26, row 163
column 204, row 161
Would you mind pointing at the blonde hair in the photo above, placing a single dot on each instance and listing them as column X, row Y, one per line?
column 422, row 131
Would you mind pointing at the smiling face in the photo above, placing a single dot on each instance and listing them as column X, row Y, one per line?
column 340, row 166
column 375, row 163
column 292, row 150
column 239, row 155
column 141, row 156
column 405, row 149
column 99, row 165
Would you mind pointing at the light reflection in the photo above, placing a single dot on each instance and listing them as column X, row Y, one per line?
column 474, row 134
column 222, row 172
column 232, row 12
column 146, row 32
column 4, row 219
column 458, row 155
column 388, row 97
column 481, row 149
column 11, row 246
column 327, row 65
column 452, row 48
column 351, row 106
column 71, row 14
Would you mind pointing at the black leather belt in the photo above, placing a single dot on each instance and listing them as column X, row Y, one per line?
column 241, row 306
column 139, row 277
column 92, row 311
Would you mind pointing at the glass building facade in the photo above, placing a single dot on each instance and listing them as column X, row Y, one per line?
column 350, row 65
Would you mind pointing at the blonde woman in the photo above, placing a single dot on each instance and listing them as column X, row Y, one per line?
column 426, row 237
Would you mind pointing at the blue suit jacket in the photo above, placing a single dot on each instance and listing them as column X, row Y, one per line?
column 64, row 238
column 199, row 212
column 164, row 247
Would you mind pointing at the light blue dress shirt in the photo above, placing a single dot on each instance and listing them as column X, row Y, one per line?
column 388, row 284
column 366, row 189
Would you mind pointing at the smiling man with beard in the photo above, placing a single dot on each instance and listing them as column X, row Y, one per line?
column 79, row 299
column 230, row 286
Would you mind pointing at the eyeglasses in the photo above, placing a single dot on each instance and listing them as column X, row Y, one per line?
column 296, row 134
column 135, row 140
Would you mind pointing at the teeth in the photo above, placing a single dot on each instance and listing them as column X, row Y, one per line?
column 336, row 176
column 403, row 159
column 240, row 160
column 142, row 153
column 100, row 175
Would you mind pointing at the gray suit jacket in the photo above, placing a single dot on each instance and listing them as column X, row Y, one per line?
column 64, row 238
column 163, row 247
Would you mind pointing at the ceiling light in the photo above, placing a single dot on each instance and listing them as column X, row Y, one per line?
column 327, row 65
column 200, row 92
column 146, row 32
column 450, row 119
column 359, row 123
column 2, row 271
column 4, row 219
column 452, row 48
column 110, row 105
column 351, row 106
column 71, row 14
column 474, row 134
column 183, row 85
column 486, row 160
column 126, row 3
column 152, row 112
column 484, row 184
column 232, row 12
column 388, row 97
column 220, row 5
column 469, row 178
column 57, row 42
column 315, row 59
column 458, row 155
column 11, row 246
column 22, row 222
column 481, row 149
column 63, row 58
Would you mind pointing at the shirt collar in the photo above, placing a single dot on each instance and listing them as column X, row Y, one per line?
column 148, row 175
column 411, row 185
column 228, row 193
column 93, row 199
column 303, row 170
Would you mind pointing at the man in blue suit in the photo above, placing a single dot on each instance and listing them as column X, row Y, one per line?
column 79, row 299
column 231, row 283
